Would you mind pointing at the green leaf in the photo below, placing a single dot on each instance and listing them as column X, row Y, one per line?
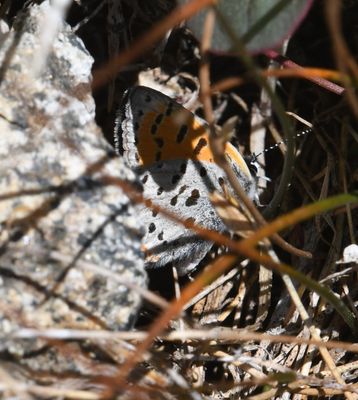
column 261, row 24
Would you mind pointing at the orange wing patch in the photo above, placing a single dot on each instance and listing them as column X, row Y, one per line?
column 171, row 134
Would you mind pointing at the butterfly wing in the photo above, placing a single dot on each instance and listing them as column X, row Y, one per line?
column 187, row 197
column 168, row 145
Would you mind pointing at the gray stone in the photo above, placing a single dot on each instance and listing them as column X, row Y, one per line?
column 55, row 214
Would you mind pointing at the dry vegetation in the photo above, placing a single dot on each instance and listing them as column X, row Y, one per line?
column 280, row 319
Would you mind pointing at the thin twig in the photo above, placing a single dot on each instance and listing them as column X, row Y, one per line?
column 223, row 335
column 217, row 147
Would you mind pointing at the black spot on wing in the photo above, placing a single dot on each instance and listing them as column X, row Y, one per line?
column 202, row 143
column 183, row 189
column 193, row 199
column 159, row 142
column 174, row 200
column 159, row 119
column 169, row 109
column 182, row 133
column 151, row 227
column 203, row 172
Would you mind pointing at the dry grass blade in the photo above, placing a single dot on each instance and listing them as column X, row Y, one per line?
column 270, row 312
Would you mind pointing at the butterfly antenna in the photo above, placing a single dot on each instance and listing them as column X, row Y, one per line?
column 254, row 157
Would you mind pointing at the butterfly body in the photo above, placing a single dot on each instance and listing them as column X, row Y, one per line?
column 168, row 146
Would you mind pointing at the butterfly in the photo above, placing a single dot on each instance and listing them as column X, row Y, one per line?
column 168, row 147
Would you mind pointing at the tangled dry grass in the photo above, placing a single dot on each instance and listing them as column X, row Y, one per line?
column 280, row 319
